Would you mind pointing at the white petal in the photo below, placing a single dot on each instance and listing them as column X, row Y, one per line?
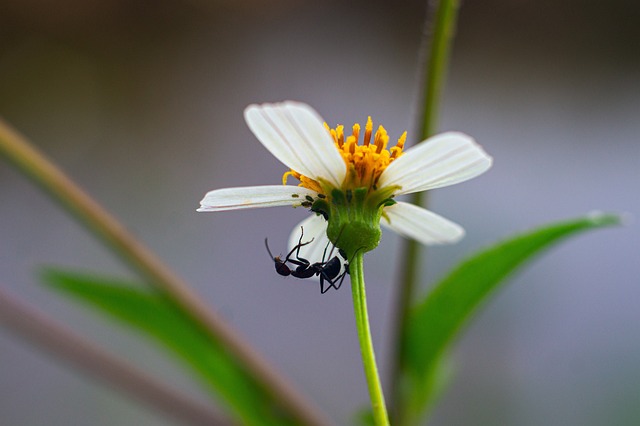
column 250, row 197
column 421, row 225
column 439, row 161
column 293, row 132
column 315, row 230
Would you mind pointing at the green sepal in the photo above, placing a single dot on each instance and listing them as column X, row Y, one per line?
column 354, row 221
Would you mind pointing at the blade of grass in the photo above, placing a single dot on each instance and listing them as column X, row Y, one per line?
column 437, row 320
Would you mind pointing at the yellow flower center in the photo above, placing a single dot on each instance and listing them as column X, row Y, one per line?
column 365, row 163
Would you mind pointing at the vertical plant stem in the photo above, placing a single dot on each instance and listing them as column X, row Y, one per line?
column 437, row 39
column 62, row 189
column 446, row 13
column 376, row 395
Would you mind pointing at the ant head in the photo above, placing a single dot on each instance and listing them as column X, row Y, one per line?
column 280, row 265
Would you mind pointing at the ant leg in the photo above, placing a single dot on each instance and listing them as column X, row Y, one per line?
column 324, row 278
column 341, row 277
column 296, row 249
column 337, row 241
column 324, row 253
column 329, row 275
column 301, row 244
column 323, row 290
column 297, row 246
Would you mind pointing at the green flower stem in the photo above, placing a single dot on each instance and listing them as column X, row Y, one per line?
column 378, row 405
column 441, row 19
column 56, row 184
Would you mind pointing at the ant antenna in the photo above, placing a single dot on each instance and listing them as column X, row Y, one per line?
column 266, row 244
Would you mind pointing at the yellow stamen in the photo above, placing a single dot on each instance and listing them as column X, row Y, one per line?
column 340, row 131
column 311, row 184
column 356, row 131
column 290, row 173
column 365, row 163
column 367, row 132
column 396, row 151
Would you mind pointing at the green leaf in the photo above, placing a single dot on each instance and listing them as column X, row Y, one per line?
column 436, row 320
column 162, row 320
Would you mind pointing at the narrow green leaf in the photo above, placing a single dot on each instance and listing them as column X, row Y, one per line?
column 436, row 320
column 162, row 320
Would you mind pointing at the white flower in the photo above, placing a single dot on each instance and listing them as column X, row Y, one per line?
column 332, row 168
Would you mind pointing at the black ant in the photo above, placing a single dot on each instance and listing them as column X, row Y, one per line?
column 329, row 271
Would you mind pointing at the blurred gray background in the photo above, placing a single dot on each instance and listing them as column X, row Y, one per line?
column 142, row 104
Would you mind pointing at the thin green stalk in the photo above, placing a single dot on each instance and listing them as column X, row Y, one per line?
column 440, row 49
column 105, row 227
column 378, row 406
column 438, row 36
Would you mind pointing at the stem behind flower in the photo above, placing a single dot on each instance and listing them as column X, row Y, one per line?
column 436, row 48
